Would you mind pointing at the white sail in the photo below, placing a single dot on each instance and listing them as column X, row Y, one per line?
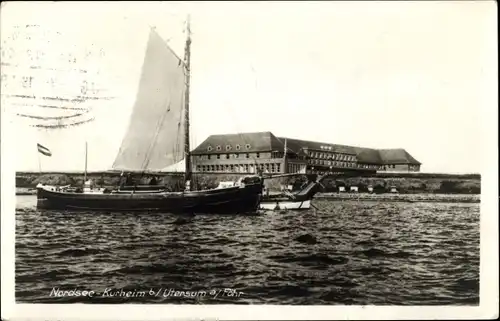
column 156, row 134
column 179, row 167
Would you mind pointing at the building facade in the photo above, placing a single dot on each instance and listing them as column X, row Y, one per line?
column 265, row 152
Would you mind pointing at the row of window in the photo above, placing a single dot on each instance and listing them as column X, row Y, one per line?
column 227, row 156
column 294, row 168
column 349, row 164
column 247, row 155
column 332, row 163
column 410, row 167
column 334, row 156
column 242, row 168
column 343, row 164
column 228, row 147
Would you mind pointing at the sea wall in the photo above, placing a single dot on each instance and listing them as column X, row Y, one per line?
column 406, row 183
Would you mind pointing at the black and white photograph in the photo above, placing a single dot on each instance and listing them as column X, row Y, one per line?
column 216, row 158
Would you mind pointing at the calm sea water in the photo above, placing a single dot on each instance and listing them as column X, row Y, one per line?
column 365, row 253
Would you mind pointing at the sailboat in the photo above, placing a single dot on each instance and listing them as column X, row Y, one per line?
column 287, row 200
column 157, row 137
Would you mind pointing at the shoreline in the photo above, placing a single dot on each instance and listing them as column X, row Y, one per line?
column 409, row 198
column 381, row 183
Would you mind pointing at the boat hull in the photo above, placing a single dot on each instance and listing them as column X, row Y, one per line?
column 287, row 204
column 232, row 200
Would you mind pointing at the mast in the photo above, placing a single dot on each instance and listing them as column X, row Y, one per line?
column 285, row 165
column 187, row 62
column 85, row 173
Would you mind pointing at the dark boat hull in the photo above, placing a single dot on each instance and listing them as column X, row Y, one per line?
column 233, row 200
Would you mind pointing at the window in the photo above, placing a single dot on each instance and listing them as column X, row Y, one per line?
column 218, row 156
column 236, row 155
column 208, row 156
column 209, row 148
column 238, row 147
column 218, row 147
column 228, row 147
column 228, row 156
column 278, row 168
column 247, row 155
column 258, row 155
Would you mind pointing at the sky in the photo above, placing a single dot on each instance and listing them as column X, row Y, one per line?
column 414, row 75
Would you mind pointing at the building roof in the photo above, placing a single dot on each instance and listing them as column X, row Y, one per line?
column 240, row 143
column 298, row 144
column 397, row 156
column 267, row 142
column 368, row 155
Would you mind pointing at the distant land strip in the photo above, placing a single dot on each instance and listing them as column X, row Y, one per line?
column 380, row 175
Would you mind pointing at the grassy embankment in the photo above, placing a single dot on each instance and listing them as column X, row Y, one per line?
column 406, row 183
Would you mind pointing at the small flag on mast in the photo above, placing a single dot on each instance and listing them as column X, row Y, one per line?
column 43, row 150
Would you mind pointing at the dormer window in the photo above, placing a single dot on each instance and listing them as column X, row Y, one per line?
column 219, row 148
column 247, row 146
column 228, row 147
column 238, row 147
column 209, row 148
